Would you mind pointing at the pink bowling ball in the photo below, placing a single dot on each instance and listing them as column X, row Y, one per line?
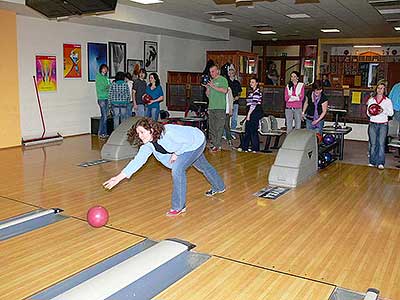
column 97, row 216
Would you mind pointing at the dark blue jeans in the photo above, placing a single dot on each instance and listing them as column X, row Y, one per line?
column 196, row 159
column 377, row 136
column 103, row 104
column 153, row 113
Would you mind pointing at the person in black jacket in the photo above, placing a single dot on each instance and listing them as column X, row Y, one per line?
column 315, row 108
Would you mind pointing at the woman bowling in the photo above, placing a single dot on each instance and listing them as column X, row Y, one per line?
column 315, row 108
column 177, row 148
column 378, row 125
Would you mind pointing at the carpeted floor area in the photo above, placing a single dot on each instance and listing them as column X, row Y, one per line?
column 356, row 152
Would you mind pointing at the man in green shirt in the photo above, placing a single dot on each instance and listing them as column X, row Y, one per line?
column 216, row 93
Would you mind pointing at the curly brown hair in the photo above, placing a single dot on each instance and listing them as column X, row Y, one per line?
column 157, row 129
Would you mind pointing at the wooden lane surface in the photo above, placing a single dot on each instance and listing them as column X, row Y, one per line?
column 341, row 227
column 38, row 259
column 10, row 208
column 219, row 279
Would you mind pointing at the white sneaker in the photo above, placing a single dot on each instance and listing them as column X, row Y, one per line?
column 239, row 149
column 371, row 165
column 381, row 167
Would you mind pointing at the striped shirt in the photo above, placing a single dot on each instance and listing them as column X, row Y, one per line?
column 119, row 93
column 254, row 98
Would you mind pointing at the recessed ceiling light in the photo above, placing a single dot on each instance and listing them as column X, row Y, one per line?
column 389, row 11
column 220, row 20
column 397, row 28
column 266, row 32
column 147, row 1
column 367, row 46
column 329, row 30
column 298, row 16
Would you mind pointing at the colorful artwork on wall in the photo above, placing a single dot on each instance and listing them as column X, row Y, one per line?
column 46, row 73
column 72, row 61
column 97, row 55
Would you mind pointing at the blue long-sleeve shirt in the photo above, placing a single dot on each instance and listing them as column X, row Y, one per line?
column 394, row 95
column 176, row 139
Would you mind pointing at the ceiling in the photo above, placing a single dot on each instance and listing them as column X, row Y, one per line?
column 354, row 18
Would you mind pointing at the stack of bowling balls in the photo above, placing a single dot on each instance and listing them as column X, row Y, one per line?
column 325, row 157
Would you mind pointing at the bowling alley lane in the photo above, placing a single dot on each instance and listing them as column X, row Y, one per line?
column 38, row 259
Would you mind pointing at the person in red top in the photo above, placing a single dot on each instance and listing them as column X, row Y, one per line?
column 294, row 95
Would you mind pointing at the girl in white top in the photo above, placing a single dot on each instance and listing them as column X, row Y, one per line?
column 378, row 126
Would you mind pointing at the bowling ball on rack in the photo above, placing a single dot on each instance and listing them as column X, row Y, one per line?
column 374, row 109
column 97, row 216
column 147, row 98
column 329, row 139
column 328, row 157
column 321, row 162
column 205, row 79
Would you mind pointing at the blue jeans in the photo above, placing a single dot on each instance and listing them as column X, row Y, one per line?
column 196, row 159
column 103, row 104
column 120, row 113
column 129, row 109
column 377, row 136
column 153, row 113
column 235, row 114
column 317, row 128
column 140, row 110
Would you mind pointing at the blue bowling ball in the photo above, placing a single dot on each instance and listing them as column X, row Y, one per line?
column 329, row 139
column 328, row 157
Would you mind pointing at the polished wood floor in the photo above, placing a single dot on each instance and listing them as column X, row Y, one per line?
column 340, row 228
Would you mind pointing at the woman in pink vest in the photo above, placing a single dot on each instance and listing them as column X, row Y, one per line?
column 294, row 95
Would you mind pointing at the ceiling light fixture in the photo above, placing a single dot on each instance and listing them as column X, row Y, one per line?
column 148, row 1
column 397, row 28
column 266, row 32
column 330, row 30
column 220, row 20
column 298, row 16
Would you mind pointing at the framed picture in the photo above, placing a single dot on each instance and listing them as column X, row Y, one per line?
column 134, row 66
column 117, row 58
column 150, row 56
column 72, row 61
column 97, row 55
column 46, row 73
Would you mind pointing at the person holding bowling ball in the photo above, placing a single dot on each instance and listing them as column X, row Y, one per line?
column 378, row 125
